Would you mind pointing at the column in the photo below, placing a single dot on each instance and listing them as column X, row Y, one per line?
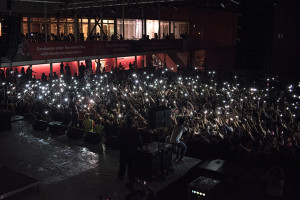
column 101, row 28
column 89, row 27
column 135, row 62
column 29, row 31
column 78, row 64
column 191, row 59
column 159, row 22
column 143, row 31
column 145, row 27
column 51, row 70
column 123, row 22
column 75, row 27
column 81, row 27
column 46, row 25
column 174, row 28
column 165, row 60
column 115, row 27
column 57, row 24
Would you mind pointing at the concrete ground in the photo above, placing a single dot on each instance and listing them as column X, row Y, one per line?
column 69, row 169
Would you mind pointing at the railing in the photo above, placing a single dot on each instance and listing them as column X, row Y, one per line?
column 59, row 50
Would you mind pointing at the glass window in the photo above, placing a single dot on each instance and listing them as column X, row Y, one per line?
column 70, row 20
column 24, row 19
column 108, row 29
column 133, row 29
column 152, row 28
column 61, row 28
column 85, row 21
column 180, row 28
column 35, row 27
column 53, row 28
column 24, row 28
column 92, row 22
column 120, row 27
column 85, row 30
column 164, row 29
column 98, row 30
column 70, row 28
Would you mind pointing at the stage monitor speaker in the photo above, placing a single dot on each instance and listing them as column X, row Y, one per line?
column 160, row 117
column 204, row 188
column 93, row 138
column 40, row 125
column 154, row 162
column 57, row 128
column 5, row 120
column 75, row 133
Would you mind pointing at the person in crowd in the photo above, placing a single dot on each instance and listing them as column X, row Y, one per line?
column 62, row 70
column 74, row 111
column 98, row 68
column 29, row 73
column 129, row 141
column 68, row 72
column 88, row 124
column 44, row 78
column 2, row 75
column 81, row 70
column 55, row 76
column 250, row 119
column 22, row 72
column 130, row 67
column 99, row 127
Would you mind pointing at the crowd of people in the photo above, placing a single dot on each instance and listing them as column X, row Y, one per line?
column 249, row 120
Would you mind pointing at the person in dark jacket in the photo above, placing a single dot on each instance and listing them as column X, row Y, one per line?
column 74, row 110
column 129, row 141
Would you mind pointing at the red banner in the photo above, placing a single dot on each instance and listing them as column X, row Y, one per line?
column 55, row 50
column 59, row 50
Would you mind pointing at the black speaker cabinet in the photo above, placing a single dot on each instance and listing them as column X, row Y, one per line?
column 155, row 161
column 112, row 142
column 40, row 125
column 57, row 128
column 5, row 120
column 204, row 188
column 160, row 117
column 75, row 133
column 93, row 138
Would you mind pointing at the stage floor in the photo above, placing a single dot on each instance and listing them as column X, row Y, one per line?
column 69, row 169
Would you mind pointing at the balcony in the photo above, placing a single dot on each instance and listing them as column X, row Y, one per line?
column 96, row 49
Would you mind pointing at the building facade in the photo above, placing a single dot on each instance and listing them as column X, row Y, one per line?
column 42, row 34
